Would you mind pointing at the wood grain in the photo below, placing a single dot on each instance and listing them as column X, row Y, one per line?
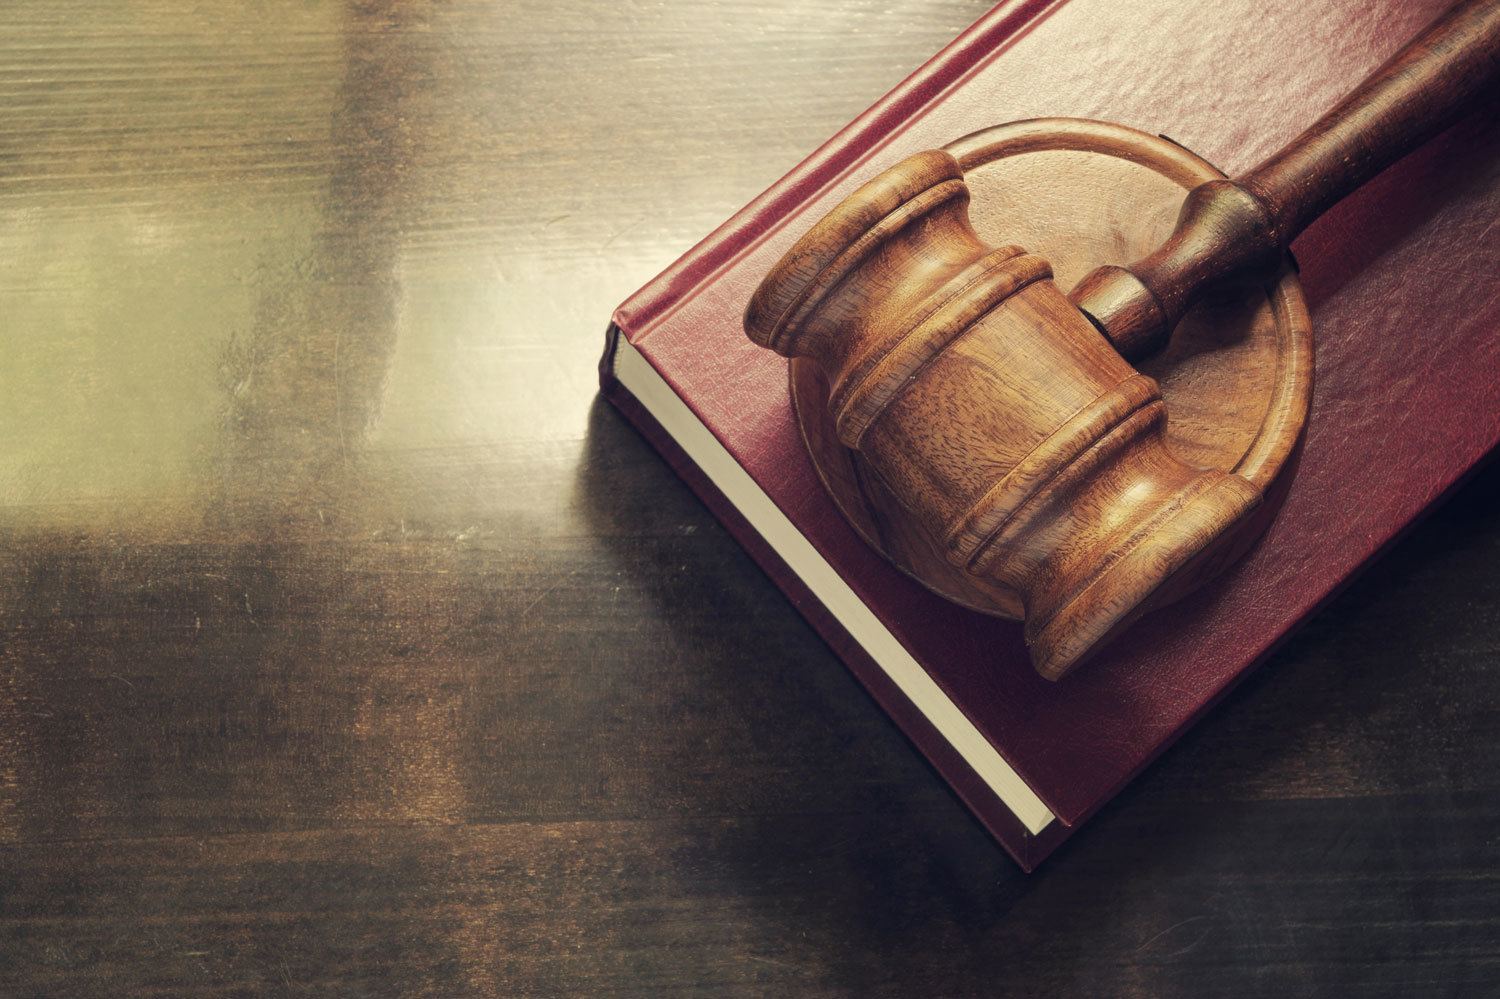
column 349, row 647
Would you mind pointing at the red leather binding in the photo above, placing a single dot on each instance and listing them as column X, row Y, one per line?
column 1401, row 279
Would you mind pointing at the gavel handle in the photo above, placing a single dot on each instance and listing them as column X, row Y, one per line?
column 1233, row 226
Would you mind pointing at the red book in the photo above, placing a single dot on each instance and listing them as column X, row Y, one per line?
column 1401, row 281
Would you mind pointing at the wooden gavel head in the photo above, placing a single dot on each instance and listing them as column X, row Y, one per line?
column 994, row 410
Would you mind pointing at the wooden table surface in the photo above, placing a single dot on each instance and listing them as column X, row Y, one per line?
column 350, row 646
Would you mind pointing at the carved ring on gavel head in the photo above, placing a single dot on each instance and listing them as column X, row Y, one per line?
column 993, row 409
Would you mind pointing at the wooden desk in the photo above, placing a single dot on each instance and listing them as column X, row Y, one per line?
column 350, row 646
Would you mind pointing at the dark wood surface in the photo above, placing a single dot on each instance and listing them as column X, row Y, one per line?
column 350, row 646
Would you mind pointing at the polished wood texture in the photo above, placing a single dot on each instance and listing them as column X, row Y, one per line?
column 1230, row 227
column 1236, row 382
column 349, row 647
column 995, row 413
column 993, row 410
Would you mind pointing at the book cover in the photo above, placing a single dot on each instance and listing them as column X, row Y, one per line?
column 1400, row 278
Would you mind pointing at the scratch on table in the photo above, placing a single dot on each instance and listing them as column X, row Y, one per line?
column 1177, row 926
column 543, row 595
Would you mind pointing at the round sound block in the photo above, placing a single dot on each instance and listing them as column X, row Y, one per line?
column 1237, row 377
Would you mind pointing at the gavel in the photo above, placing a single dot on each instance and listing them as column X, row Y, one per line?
column 1006, row 416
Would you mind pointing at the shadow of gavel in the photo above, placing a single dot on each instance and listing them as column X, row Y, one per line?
column 1006, row 417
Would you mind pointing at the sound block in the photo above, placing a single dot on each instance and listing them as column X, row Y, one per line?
column 1236, row 378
